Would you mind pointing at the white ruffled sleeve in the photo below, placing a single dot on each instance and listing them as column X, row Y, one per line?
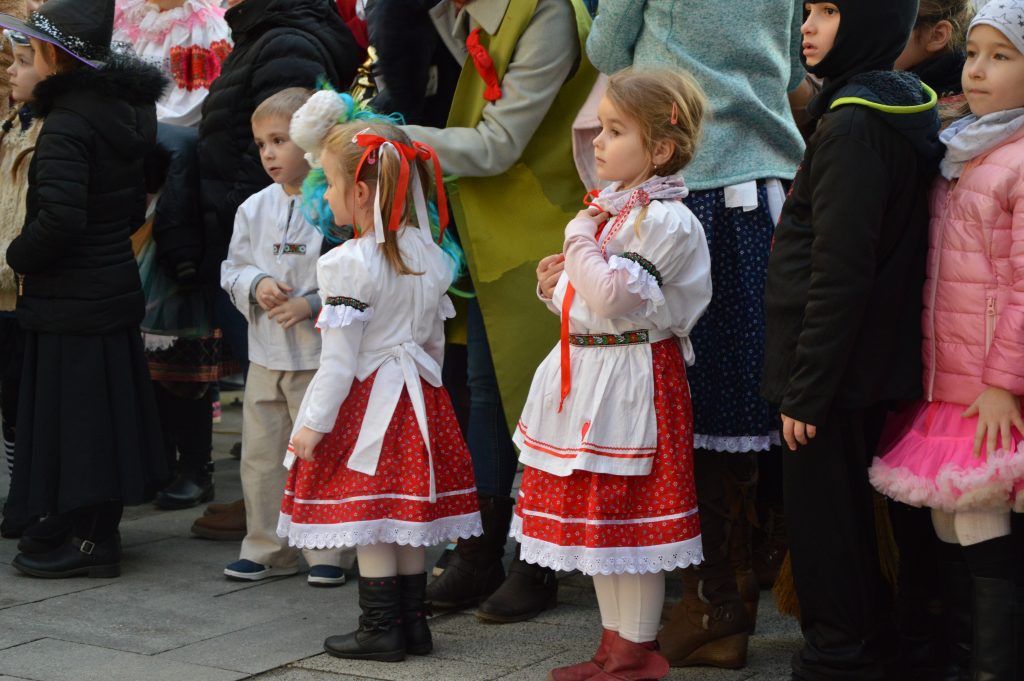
column 348, row 293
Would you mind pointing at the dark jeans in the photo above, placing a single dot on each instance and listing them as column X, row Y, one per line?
column 846, row 609
column 490, row 445
column 187, row 428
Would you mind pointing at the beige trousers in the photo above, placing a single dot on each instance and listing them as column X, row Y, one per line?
column 269, row 409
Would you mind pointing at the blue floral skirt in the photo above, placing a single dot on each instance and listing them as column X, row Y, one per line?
column 729, row 414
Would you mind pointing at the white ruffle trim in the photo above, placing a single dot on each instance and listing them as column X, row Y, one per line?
column 383, row 531
column 155, row 343
column 738, row 443
column 607, row 561
column 447, row 309
column 641, row 282
column 337, row 316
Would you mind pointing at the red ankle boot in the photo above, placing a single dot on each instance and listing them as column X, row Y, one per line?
column 586, row 670
column 628, row 661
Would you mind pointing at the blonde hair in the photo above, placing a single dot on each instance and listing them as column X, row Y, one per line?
column 386, row 169
column 667, row 104
column 282, row 104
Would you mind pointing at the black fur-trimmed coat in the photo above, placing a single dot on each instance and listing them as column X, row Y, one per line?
column 86, row 196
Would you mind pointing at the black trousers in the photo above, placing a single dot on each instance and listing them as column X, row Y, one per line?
column 724, row 481
column 846, row 609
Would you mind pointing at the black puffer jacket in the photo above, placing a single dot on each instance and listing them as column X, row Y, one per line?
column 843, row 292
column 86, row 196
column 278, row 44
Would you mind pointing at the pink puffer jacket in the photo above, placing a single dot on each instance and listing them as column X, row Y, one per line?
column 973, row 322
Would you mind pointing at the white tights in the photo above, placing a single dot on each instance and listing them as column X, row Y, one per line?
column 970, row 527
column 389, row 560
column 631, row 604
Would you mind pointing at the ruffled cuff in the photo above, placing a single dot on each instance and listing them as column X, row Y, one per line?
column 446, row 310
column 643, row 281
column 339, row 311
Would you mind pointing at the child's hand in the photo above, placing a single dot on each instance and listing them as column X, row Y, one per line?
column 548, row 271
column 794, row 432
column 305, row 442
column 290, row 313
column 997, row 410
column 270, row 293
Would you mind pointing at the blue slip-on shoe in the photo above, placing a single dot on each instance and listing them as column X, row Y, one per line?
column 325, row 575
column 245, row 570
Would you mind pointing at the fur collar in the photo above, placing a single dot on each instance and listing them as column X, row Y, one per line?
column 123, row 77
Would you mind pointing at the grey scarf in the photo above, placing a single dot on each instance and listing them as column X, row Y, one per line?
column 972, row 136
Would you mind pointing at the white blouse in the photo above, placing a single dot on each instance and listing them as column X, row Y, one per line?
column 188, row 43
column 656, row 278
column 374, row 319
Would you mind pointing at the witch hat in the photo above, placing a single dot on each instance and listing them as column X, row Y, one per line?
column 82, row 28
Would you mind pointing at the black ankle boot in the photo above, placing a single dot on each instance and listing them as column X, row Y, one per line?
column 74, row 558
column 475, row 570
column 526, row 592
column 412, row 588
column 996, row 631
column 379, row 636
column 46, row 535
column 187, row 490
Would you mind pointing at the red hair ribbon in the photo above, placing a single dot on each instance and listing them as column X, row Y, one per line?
column 375, row 146
column 484, row 65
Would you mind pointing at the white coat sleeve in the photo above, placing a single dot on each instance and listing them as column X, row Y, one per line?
column 239, row 271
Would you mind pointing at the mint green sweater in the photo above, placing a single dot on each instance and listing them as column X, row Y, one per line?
column 746, row 56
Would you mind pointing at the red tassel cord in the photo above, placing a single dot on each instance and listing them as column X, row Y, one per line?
column 484, row 65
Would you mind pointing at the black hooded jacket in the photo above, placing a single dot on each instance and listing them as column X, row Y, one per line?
column 86, row 196
column 278, row 44
column 843, row 293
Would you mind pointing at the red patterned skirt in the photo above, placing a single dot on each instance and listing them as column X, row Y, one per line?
column 326, row 504
column 613, row 524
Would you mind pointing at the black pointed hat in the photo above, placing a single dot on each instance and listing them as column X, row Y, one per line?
column 82, row 28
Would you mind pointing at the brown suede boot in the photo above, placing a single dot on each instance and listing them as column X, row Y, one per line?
column 743, row 514
column 628, row 661
column 708, row 627
column 214, row 509
column 228, row 525
column 586, row 670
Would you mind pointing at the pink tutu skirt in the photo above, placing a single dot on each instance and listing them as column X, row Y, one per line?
column 927, row 460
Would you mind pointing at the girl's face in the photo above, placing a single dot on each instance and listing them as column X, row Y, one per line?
column 33, row 5
column 819, row 30
column 22, row 72
column 993, row 75
column 42, row 67
column 348, row 203
column 619, row 150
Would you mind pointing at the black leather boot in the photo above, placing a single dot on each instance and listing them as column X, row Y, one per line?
column 187, row 490
column 46, row 535
column 75, row 558
column 996, row 631
column 958, row 621
column 475, row 570
column 412, row 589
column 526, row 592
column 379, row 636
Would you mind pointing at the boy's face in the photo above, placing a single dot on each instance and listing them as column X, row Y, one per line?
column 819, row 30
column 23, row 74
column 281, row 158
column 993, row 75
column 33, row 5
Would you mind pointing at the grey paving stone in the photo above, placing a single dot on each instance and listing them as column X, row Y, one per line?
column 412, row 669
column 585, row 632
column 269, row 645
column 53, row 660
column 18, row 589
column 296, row 674
column 496, row 650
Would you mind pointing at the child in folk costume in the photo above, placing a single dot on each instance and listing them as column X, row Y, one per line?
column 377, row 459
column 960, row 450
column 607, row 431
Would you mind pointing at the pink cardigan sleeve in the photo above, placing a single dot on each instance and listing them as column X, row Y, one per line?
column 605, row 289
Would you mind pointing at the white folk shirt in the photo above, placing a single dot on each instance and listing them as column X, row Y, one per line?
column 374, row 319
column 658, row 278
column 272, row 238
